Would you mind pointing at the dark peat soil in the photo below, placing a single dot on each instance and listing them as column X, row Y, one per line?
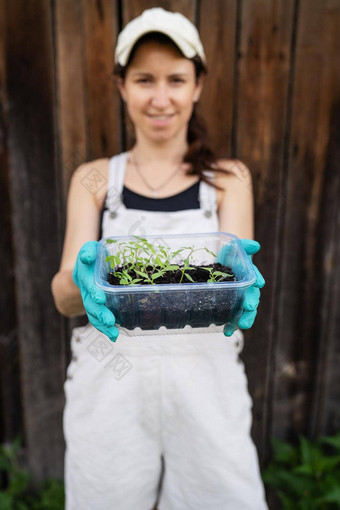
column 198, row 274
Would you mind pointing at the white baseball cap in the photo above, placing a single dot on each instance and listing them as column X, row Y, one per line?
column 173, row 24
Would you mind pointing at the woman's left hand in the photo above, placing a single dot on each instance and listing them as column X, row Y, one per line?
column 252, row 294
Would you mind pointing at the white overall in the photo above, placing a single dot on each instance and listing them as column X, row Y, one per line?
column 177, row 401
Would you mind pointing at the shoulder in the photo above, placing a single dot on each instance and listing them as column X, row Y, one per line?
column 96, row 167
column 91, row 180
column 235, row 171
column 236, row 181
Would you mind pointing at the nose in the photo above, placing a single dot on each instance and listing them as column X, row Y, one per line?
column 161, row 96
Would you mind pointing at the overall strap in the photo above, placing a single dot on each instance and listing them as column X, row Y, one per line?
column 117, row 167
column 208, row 199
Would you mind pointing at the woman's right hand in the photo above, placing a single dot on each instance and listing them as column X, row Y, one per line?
column 93, row 298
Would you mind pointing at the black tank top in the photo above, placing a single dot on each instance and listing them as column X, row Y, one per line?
column 187, row 199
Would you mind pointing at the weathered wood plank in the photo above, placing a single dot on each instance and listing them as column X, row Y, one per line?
column 133, row 8
column 325, row 416
column 217, row 26
column 262, row 85
column 33, row 196
column 71, row 93
column 10, row 397
column 103, row 110
column 299, row 333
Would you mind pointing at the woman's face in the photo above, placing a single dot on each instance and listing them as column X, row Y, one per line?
column 159, row 89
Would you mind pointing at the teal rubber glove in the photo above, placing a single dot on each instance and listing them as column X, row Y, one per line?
column 93, row 298
column 252, row 294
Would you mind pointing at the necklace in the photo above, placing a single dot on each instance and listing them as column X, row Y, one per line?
column 152, row 188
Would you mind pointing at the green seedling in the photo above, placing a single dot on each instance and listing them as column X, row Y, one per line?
column 215, row 276
column 151, row 262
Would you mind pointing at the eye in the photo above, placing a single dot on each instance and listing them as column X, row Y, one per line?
column 143, row 80
column 177, row 80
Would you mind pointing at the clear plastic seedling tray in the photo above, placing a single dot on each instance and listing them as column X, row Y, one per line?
column 182, row 307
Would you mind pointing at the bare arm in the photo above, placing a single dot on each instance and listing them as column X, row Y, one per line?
column 82, row 225
column 235, row 202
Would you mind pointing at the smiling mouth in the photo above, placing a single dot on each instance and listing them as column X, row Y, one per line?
column 160, row 117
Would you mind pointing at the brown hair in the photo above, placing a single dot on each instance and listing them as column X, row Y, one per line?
column 199, row 155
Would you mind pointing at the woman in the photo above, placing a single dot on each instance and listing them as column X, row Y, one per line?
column 179, row 407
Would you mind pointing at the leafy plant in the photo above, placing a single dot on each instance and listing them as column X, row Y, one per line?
column 151, row 262
column 18, row 493
column 215, row 276
column 306, row 476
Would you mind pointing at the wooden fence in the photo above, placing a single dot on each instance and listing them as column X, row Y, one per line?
column 272, row 99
